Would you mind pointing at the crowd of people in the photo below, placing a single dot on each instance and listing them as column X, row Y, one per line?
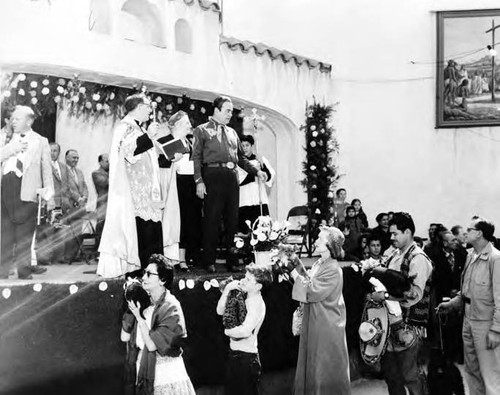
column 149, row 206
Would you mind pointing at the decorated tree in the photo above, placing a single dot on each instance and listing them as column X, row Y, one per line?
column 319, row 169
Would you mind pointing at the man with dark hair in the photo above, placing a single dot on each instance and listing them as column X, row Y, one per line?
column 243, row 365
column 399, row 363
column 26, row 174
column 460, row 234
column 100, row 178
column 382, row 230
column 133, row 228
column 479, row 298
column 432, row 246
column 216, row 152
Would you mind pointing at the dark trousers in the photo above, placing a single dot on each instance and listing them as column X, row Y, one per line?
column 190, row 207
column 243, row 371
column 400, row 370
column 18, row 224
column 149, row 239
column 222, row 200
column 73, row 233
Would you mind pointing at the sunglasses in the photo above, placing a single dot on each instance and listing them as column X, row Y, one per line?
column 149, row 274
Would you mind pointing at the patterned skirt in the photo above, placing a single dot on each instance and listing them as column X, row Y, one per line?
column 171, row 377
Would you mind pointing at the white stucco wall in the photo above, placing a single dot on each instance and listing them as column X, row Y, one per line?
column 54, row 38
column 392, row 156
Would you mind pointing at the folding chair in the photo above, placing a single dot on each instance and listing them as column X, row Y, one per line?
column 89, row 239
column 298, row 233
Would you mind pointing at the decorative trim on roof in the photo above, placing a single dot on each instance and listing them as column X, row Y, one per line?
column 206, row 5
column 274, row 53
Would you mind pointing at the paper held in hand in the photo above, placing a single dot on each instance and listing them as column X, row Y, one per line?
column 170, row 147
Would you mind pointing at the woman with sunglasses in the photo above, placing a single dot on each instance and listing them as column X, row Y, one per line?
column 157, row 367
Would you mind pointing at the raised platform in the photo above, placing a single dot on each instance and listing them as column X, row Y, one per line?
column 60, row 332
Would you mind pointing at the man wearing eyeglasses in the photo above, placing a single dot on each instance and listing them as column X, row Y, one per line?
column 480, row 300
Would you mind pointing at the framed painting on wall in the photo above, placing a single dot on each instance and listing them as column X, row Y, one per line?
column 468, row 68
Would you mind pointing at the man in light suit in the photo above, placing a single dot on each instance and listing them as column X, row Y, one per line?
column 50, row 238
column 26, row 172
column 77, row 194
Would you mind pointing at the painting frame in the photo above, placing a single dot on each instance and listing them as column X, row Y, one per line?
column 468, row 93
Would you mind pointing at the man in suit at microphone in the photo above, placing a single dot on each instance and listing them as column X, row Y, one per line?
column 26, row 173
column 77, row 194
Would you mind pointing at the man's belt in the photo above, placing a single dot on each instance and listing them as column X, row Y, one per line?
column 229, row 165
column 466, row 299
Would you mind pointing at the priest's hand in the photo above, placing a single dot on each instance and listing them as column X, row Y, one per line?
column 201, row 190
column 18, row 146
column 153, row 130
column 177, row 157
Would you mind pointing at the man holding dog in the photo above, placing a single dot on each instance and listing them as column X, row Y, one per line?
column 399, row 363
column 480, row 300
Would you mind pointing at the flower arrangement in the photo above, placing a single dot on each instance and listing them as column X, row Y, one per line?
column 265, row 234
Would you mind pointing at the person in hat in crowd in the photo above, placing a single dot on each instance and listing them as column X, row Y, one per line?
column 26, row 174
column 323, row 360
column 479, row 298
column 253, row 195
column 243, row 368
column 216, row 152
column 399, row 363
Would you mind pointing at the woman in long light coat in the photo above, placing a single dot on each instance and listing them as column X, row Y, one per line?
column 323, row 361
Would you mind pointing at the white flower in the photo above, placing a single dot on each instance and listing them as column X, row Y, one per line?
column 75, row 99
column 202, row 110
column 45, row 91
column 21, row 77
column 6, row 94
column 262, row 236
column 248, row 223
column 21, row 92
column 105, row 106
column 179, row 100
column 315, row 134
column 313, row 127
column 318, row 211
column 312, row 167
column 191, row 107
column 61, row 81
column 60, row 89
column 33, row 93
column 34, row 100
column 111, row 96
column 238, row 241
column 273, row 236
column 169, row 107
column 313, row 144
column 82, row 90
column 45, row 82
column 88, row 105
column 158, row 99
column 253, row 242
column 34, row 84
column 322, row 130
column 14, row 84
column 96, row 97
column 98, row 106
column 57, row 99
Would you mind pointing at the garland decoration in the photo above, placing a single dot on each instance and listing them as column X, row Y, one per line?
column 91, row 101
column 320, row 172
